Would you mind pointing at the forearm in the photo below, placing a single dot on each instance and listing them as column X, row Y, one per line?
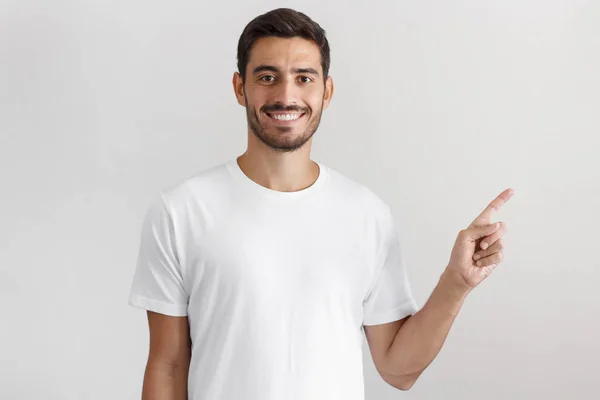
column 421, row 337
column 165, row 382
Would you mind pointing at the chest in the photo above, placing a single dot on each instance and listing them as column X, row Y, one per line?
column 289, row 258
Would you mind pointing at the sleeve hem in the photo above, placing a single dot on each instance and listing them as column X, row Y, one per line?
column 175, row 310
column 391, row 315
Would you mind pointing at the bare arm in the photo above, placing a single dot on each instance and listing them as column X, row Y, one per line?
column 166, row 373
column 403, row 349
column 419, row 338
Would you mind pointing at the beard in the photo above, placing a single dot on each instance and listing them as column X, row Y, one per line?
column 277, row 138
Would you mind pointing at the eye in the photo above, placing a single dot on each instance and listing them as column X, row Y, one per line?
column 263, row 78
column 305, row 79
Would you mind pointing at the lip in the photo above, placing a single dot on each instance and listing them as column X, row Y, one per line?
column 278, row 122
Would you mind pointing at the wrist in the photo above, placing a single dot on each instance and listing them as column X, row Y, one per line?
column 454, row 284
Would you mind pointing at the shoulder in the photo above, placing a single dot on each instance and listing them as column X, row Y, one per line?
column 194, row 188
column 361, row 195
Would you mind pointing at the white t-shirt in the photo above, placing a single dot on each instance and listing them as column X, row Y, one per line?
column 276, row 285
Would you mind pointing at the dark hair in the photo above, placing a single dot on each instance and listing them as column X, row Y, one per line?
column 284, row 23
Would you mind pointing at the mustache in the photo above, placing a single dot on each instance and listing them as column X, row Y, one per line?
column 281, row 107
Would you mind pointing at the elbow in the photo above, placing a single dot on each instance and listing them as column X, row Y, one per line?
column 404, row 386
column 402, row 382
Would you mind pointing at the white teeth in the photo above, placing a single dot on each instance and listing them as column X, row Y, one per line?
column 285, row 117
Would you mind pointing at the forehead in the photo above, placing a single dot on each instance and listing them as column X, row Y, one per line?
column 285, row 52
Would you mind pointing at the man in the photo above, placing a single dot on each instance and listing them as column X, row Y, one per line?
column 260, row 274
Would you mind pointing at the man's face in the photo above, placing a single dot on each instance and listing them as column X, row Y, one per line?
column 284, row 92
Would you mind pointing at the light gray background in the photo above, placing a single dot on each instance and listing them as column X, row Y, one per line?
column 439, row 106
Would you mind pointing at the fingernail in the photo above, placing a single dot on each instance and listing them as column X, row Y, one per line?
column 479, row 263
column 484, row 245
column 476, row 257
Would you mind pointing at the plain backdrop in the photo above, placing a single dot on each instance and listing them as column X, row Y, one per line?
column 438, row 107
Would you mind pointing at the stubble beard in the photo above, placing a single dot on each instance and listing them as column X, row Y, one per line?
column 279, row 140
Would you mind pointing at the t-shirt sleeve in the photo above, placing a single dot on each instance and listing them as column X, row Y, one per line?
column 390, row 297
column 158, row 280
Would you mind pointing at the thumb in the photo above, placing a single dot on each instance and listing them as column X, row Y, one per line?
column 478, row 232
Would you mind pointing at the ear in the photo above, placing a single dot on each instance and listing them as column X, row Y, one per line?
column 328, row 92
column 238, row 88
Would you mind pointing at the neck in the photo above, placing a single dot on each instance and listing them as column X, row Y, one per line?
column 284, row 172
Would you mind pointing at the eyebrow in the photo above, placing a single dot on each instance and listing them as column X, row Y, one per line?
column 262, row 68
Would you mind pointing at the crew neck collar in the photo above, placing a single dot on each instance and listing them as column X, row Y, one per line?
column 249, row 184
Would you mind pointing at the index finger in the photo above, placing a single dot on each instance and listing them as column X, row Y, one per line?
column 486, row 215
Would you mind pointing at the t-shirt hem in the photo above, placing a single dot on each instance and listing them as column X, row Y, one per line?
column 394, row 314
column 175, row 310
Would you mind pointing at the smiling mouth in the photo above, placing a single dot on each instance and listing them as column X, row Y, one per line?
column 285, row 117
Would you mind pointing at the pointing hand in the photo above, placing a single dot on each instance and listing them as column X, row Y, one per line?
column 478, row 248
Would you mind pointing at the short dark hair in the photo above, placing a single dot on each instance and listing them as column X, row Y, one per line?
column 284, row 23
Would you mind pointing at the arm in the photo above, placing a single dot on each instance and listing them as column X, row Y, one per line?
column 416, row 340
column 403, row 349
column 166, row 373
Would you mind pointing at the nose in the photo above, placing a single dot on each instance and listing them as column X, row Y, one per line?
column 286, row 92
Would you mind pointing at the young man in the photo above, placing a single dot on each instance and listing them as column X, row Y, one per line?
column 260, row 274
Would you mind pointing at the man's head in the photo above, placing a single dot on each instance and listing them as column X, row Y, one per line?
column 283, row 78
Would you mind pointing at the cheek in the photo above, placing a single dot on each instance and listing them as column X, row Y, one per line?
column 253, row 105
column 315, row 99
column 253, row 98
